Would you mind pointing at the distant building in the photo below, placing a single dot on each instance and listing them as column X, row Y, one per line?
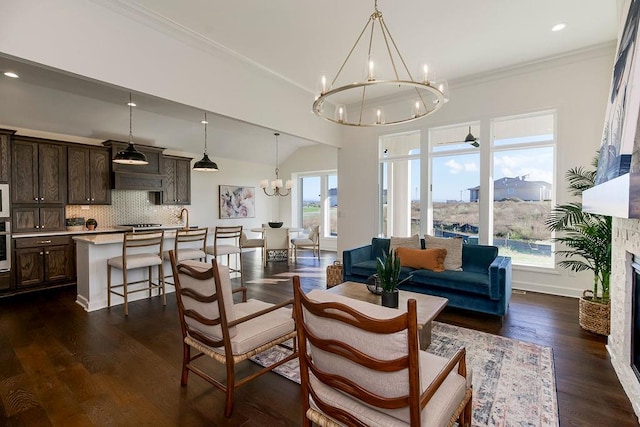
column 515, row 188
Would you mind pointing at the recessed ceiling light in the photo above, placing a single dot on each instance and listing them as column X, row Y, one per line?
column 131, row 104
column 11, row 74
column 558, row 27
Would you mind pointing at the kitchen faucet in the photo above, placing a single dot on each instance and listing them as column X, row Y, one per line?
column 183, row 211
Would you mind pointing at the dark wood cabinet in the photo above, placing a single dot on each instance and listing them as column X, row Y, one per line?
column 33, row 218
column 88, row 175
column 43, row 260
column 5, row 138
column 177, row 190
column 39, row 172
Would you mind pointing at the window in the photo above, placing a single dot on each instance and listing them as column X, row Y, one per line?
column 523, row 179
column 400, row 184
column 455, row 182
column 318, row 204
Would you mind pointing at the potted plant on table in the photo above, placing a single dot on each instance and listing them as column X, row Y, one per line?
column 588, row 239
column 388, row 273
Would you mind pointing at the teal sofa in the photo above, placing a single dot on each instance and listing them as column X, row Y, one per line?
column 483, row 284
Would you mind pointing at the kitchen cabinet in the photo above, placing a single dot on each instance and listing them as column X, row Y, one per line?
column 177, row 189
column 43, row 260
column 39, row 172
column 88, row 175
column 5, row 138
column 26, row 219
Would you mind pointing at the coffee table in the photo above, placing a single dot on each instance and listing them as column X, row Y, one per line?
column 428, row 307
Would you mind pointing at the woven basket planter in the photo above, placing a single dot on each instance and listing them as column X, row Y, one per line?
column 594, row 316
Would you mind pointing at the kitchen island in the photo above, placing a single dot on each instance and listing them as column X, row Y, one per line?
column 92, row 253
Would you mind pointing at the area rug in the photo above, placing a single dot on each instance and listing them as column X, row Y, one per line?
column 513, row 381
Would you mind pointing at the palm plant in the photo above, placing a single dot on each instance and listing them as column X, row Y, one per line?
column 587, row 236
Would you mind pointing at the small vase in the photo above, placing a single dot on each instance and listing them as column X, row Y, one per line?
column 390, row 298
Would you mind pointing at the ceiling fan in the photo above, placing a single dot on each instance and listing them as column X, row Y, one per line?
column 469, row 139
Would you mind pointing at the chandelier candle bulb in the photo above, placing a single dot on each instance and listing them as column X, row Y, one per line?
column 425, row 73
column 370, row 72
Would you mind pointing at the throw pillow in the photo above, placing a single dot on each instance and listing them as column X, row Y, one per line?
column 405, row 242
column 426, row 259
column 452, row 245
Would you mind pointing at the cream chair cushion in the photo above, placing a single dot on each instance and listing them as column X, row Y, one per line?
column 135, row 261
column 187, row 253
column 385, row 347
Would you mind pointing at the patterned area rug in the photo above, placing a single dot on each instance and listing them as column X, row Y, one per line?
column 513, row 381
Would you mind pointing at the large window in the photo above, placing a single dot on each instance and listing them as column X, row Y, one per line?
column 455, row 182
column 400, row 184
column 318, row 203
column 523, row 186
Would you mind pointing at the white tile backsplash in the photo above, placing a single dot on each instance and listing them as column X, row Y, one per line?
column 127, row 207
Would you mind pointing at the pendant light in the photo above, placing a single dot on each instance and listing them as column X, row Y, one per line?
column 130, row 156
column 206, row 164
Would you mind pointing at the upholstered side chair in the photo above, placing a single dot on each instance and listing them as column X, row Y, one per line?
column 310, row 241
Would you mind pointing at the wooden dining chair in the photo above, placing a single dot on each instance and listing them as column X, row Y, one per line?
column 310, row 241
column 360, row 365
column 227, row 332
column 188, row 244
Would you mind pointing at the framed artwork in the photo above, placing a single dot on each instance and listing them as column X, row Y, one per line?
column 237, row 202
column 619, row 135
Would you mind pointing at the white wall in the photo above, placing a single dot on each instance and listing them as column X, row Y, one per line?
column 576, row 86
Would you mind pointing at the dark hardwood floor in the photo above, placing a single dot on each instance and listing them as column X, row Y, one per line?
column 62, row 366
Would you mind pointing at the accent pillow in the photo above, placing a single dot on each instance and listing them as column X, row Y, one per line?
column 405, row 242
column 425, row 259
column 453, row 246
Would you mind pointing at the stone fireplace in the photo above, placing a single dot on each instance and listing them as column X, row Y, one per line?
column 626, row 244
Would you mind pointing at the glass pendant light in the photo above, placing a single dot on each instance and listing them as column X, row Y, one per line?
column 130, row 156
column 205, row 164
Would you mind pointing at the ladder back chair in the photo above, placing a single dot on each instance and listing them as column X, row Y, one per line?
column 141, row 249
column 226, row 241
column 246, row 243
column 360, row 365
column 189, row 244
column 227, row 332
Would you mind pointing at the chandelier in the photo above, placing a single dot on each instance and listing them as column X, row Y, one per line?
column 361, row 103
column 276, row 184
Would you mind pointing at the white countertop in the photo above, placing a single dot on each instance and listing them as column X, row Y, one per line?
column 109, row 238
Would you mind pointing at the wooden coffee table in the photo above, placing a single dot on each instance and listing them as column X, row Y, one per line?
column 428, row 307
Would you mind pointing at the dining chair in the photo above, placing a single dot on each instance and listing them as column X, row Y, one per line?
column 360, row 365
column 226, row 241
column 246, row 243
column 310, row 241
column 276, row 245
column 229, row 333
column 140, row 249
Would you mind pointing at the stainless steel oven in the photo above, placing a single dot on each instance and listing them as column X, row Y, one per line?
column 5, row 245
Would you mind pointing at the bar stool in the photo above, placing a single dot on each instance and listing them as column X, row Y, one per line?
column 132, row 258
column 226, row 241
column 190, row 244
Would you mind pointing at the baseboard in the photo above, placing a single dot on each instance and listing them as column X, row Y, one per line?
column 546, row 289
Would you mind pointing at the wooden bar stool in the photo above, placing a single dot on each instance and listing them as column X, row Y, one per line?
column 226, row 241
column 190, row 244
column 133, row 257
